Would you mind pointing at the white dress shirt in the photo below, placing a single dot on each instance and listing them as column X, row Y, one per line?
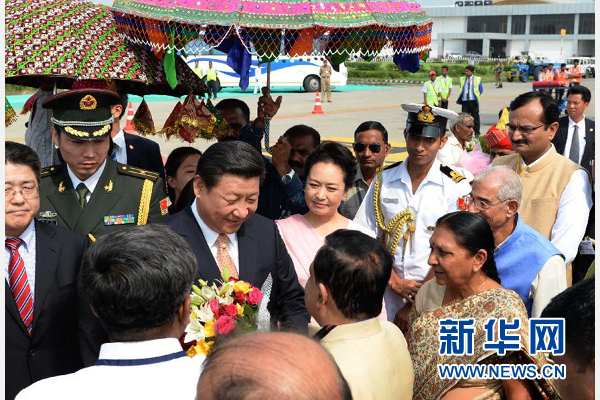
column 451, row 154
column 212, row 236
column 436, row 196
column 581, row 133
column 90, row 182
column 120, row 148
column 152, row 369
column 573, row 211
column 550, row 281
column 27, row 252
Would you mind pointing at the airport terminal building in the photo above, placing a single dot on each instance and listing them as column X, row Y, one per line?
column 499, row 31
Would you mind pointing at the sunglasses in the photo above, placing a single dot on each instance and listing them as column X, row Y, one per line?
column 360, row 147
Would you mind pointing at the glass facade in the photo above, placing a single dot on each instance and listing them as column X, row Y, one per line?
column 586, row 24
column 551, row 24
column 496, row 24
column 518, row 24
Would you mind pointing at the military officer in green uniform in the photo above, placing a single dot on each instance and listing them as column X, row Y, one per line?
column 90, row 193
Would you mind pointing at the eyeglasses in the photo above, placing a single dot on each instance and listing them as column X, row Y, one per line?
column 360, row 147
column 525, row 130
column 28, row 192
column 481, row 205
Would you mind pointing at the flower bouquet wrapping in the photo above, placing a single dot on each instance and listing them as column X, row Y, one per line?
column 219, row 311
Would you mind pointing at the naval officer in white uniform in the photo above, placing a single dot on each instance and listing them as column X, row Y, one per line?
column 406, row 199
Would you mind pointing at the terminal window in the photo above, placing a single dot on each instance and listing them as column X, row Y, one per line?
column 518, row 24
column 586, row 24
column 551, row 24
column 496, row 24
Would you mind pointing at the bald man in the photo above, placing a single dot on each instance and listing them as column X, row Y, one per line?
column 274, row 365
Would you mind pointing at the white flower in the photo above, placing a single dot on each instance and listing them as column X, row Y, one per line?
column 194, row 331
column 205, row 314
column 208, row 292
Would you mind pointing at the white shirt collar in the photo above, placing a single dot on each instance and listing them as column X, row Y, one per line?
column 139, row 350
column 210, row 235
column 119, row 139
column 434, row 175
column 90, row 182
column 580, row 124
column 523, row 165
column 27, row 235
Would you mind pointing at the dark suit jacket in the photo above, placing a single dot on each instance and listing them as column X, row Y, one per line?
column 63, row 335
column 261, row 251
column 560, row 140
column 144, row 153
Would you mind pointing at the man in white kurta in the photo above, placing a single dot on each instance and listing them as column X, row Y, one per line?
column 419, row 191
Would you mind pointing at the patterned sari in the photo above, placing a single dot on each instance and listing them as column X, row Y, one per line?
column 424, row 345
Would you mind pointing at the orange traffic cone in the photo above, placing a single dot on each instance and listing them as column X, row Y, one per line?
column 129, row 126
column 318, row 109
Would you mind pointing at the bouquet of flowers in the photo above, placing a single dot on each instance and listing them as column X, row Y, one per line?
column 219, row 310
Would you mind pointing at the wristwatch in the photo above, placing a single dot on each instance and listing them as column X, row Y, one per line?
column 287, row 178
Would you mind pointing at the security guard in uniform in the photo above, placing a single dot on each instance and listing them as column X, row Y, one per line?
column 90, row 193
column 405, row 200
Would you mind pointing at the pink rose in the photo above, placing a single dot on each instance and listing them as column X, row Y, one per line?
column 240, row 297
column 214, row 306
column 230, row 310
column 232, row 279
column 224, row 325
column 254, row 296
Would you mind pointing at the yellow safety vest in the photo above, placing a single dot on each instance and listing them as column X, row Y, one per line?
column 432, row 93
column 445, row 84
column 476, row 82
column 211, row 74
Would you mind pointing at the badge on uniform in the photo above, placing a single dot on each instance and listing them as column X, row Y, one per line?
column 389, row 201
column 462, row 204
column 119, row 219
column 164, row 206
column 48, row 217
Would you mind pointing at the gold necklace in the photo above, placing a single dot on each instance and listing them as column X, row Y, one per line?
column 455, row 300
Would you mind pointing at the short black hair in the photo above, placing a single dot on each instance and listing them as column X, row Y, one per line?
column 298, row 131
column 470, row 68
column 375, row 125
column 336, row 154
column 473, row 233
column 232, row 104
column 136, row 279
column 577, row 306
column 17, row 153
column 445, row 66
column 173, row 163
column 124, row 104
column 549, row 105
column 563, row 65
column 355, row 268
column 585, row 93
column 232, row 157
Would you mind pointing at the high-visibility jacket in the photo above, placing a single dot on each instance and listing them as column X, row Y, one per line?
column 477, row 88
column 211, row 73
column 546, row 76
column 445, row 84
column 575, row 72
column 561, row 77
column 432, row 93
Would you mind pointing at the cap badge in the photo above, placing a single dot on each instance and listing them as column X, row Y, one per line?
column 426, row 115
column 88, row 103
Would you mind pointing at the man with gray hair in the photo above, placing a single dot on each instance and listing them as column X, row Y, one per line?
column 138, row 283
column 526, row 260
column 459, row 136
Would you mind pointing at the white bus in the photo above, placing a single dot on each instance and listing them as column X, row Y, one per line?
column 299, row 71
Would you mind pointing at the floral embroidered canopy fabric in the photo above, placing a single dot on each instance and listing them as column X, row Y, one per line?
column 78, row 40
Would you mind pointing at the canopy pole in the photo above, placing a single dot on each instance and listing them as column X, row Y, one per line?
column 269, row 75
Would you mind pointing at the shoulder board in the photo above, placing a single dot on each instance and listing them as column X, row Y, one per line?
column 456, row 177
column 137, row 172
column 49, row 171
column 394, row 165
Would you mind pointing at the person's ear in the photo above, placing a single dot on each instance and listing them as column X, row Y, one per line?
column 387, row 149
column 199, row 186
column 171, row 181
column 183, row 312
column 405, row 135
column 55, row 135
column 323, row 299
column 480, row 258
column 552, row 129
column 444, row 140
column 116, row 111
column 512, row 207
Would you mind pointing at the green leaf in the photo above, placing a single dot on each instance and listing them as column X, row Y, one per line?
column 225, row 275
column 197, row 290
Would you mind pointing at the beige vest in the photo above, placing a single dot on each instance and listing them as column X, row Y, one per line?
column 543, row 185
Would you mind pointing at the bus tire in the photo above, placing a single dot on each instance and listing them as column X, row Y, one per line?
column 312, row 83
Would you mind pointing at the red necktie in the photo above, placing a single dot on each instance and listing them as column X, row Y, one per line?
column 19, row 285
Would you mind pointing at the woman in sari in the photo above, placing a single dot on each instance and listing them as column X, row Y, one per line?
column 467, row 285
column 329, row 172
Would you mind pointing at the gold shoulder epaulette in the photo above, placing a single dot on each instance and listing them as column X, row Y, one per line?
column 456, row 177
column 391, row 166
column 49, row 171
column 138, row 172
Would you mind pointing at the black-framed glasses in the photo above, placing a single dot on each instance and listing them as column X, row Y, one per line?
column 481, row 205
column 360, row 147
column 525, row 130
column 28, row 192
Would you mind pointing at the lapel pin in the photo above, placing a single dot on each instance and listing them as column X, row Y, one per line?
column 130, row 147
column 109, row 187
column 61, row 187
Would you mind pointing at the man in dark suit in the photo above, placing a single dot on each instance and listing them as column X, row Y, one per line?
column 575, row 124
column 575, row 140
column 47, row 320
column 225, row 233
column 134, row 150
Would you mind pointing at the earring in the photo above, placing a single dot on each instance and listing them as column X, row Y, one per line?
column 475, row 270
